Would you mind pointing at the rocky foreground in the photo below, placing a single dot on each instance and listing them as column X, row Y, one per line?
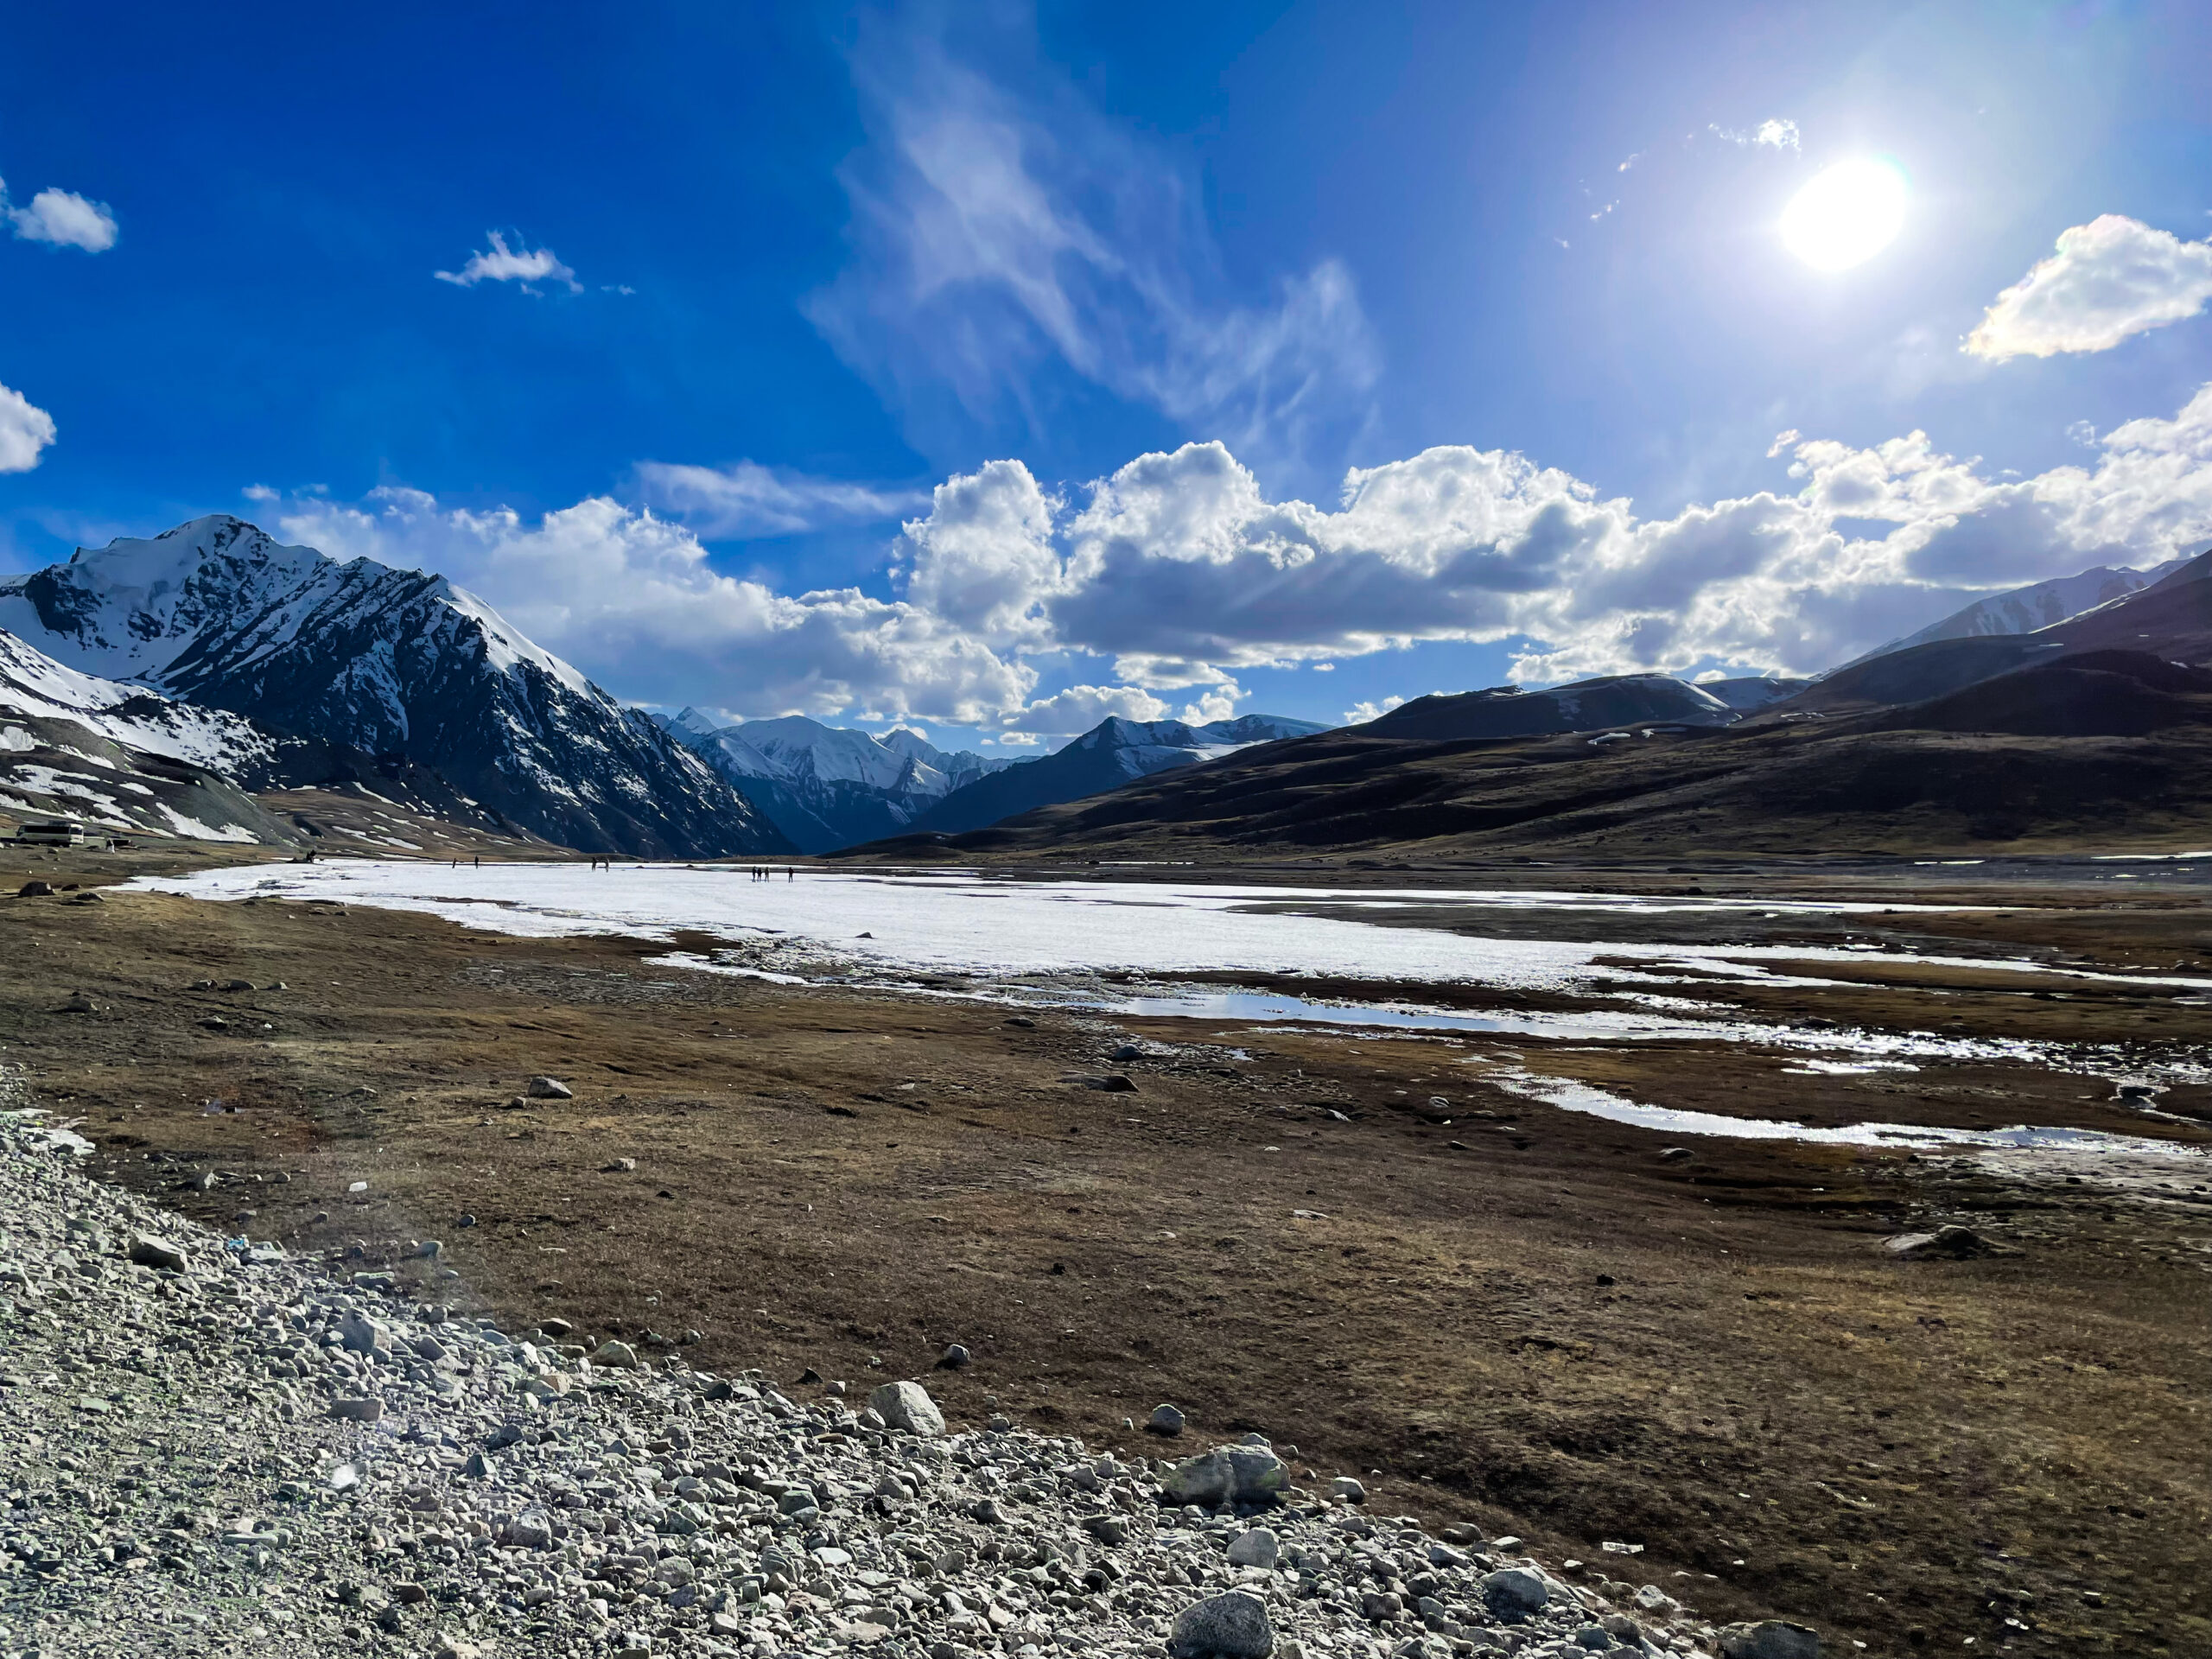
column 207, row 1446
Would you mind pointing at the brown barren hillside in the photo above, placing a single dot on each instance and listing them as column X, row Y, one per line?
column 1763, row 788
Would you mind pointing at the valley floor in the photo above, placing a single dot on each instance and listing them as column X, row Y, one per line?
column 1383, row 1249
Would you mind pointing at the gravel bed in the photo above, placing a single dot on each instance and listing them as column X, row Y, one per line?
column 210, row 1447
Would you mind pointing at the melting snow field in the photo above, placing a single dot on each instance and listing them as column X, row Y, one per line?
column 1003, row 936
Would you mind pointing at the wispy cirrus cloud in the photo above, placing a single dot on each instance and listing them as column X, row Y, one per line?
column 746, row 501
column 61, row 218
column 1773, row 133
column 2110, row 278
column 997, row 233
column 523, row 265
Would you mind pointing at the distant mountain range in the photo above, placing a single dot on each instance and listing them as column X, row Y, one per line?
column 827, row 787
column 1111, row 754
column 2065, row 736
column 160, row 685
column 398, row 665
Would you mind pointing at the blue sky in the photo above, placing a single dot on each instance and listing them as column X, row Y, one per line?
column 1230, row 358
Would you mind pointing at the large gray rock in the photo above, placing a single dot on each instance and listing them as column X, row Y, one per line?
column 1165, row 1420
column 361, row 1335
column 152, row 1251
column 1515, row 1593
column 1228, row 1475
column 549, row 1089
column 1257, row 1548
column 1771, row 1638
column 1232, row 1626
column 907, row 1406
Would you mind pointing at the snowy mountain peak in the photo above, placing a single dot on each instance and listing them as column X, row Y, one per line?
column 389, row 662
column 156, row 608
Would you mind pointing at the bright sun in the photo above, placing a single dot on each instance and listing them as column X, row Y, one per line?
column 1846, row 215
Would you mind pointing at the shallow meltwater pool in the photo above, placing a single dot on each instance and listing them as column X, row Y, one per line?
column 1074, row 944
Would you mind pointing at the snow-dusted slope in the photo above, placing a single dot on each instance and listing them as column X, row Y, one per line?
column 34, row 684
column 827, row 787
column 122, row 758
column 1113, row 752
column 392, row 662
column 2024, row 610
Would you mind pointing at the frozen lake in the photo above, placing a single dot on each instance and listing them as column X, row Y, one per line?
column 1047, row 942
column 957, row 923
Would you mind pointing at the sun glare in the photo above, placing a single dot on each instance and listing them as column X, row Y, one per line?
column 1846, row 215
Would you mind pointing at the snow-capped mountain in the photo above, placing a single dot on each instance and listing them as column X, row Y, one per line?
column 1113, row 752
column 123, row 757
column 395, row 663
column 2024, row 610
column 827, row 787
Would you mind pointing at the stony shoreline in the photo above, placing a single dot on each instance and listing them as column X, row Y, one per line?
column 219, row 1448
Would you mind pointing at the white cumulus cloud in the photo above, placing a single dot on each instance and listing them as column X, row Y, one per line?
column 25, row 429
column 525, row 265
column 62, row 219
column 1177, row 570
column 2110, row 278
column 633, row 600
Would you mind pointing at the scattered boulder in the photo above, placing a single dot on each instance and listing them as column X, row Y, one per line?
column 1165, row 1420
column 152, row 1251
column 359, row 1334
column 1228, row 1475
column 954, row 1358
column 549, row 1089
column 1952, row 1241
column 1257, row 1548
column 1515, row 1593
column 368, row 1409
column 1675, row 1154
column 1127, row 1052
column 1771, row 1638
column 1345, row 1490
column 615, row 1355
column 1230, row 1626
column 618, row 1167
column 34, row 890
column 906, row 1405
column 78, row 1003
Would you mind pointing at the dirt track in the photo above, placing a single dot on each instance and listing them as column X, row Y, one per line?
column 1521, row 1315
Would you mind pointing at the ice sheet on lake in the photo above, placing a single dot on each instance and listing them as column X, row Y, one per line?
column 940, row 922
